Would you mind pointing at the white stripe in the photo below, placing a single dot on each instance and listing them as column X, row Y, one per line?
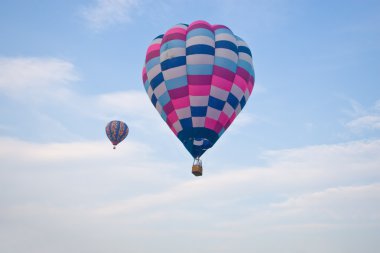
column 226, row 36
column 159, row 107
column 228, row 110
column 174, row 72
column 153, row 72
column 183, row 113
column 203, row 40
column 242, row 43
column 199, row 100
column 246, row 57
column 218, row 93
column 150, row 92
column 160, row 89
column 198, row 121
column 177, row 126
column 172, row 52
column 226, row 53
column 238, row 109
column 213, row 113
column 237, row 92
column 200, row 59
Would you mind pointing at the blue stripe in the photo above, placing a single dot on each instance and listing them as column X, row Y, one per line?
column 199, row 69
column 146, row 84
column 175, row 83
column 232, row 100
column 242, row 102
column 109, row 133
column 198, row 111
column 226, row 44
column 125, row 131
column 163, row 115
column 151, row 63
column 215, row 103
column 164, row 99
column 156, row 81
column 245, row 49
column 223, row 30
column 225, row 63
column 154, row 100
column 159, row 36
column 173, row 62
column 246, row 65
column 200, row 49
column 117, row 136
column 200, row 32
column 172, row 44
column 186, row 123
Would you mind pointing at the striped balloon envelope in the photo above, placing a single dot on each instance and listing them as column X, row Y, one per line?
column 198, row 77
column 116, row 131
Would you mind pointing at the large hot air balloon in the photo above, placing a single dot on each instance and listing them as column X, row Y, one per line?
column 116, row 131
column 198, row 77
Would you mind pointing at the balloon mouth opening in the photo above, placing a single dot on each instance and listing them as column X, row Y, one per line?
column 201, row 144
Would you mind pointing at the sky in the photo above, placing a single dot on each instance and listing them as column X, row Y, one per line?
column 298, row 170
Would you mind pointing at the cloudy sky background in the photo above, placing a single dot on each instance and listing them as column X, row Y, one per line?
column 298, row 171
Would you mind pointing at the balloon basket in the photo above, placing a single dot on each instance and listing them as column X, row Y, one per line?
column 197, row 170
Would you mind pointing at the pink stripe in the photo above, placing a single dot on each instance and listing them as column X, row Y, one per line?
column 223, row 118
column 199, row 90
column 240, row 82
column 243, row 73
column 210, row 123
column 168, row 108
column 144, row 75
column 224, row 73
column 179, row 92
column 199, row 79
column 229, row 122
column 216, row 27
column 152, row 55
column 175, row 30
column 251, row 84
column 173, row 129
column 218, row 127
column 172, row 117
column 173, row 36
column 152, row 51
column 153, row 47
column 199, row 24
column 221, row 83
column 181, row 102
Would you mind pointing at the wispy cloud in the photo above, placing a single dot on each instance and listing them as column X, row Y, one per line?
column 30, row 74
column 364, row 118
column 108, row 12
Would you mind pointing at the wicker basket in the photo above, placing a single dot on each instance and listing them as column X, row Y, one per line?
column 197, row 170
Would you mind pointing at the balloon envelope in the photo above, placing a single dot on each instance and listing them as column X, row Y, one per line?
column 116, row 131
column 198, row 77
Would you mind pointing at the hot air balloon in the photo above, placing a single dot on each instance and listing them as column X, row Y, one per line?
column 116, row 132
column 198, row 77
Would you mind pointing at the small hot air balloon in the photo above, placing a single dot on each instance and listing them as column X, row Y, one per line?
column 116, row 131
column 198, row 77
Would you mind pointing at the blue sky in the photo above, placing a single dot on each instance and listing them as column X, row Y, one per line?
column 298, row 171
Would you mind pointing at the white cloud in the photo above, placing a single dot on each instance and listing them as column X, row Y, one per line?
column 109, row 12
column 364, row 119
column 28, row 74
column 365, row 122
column 127, row 192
